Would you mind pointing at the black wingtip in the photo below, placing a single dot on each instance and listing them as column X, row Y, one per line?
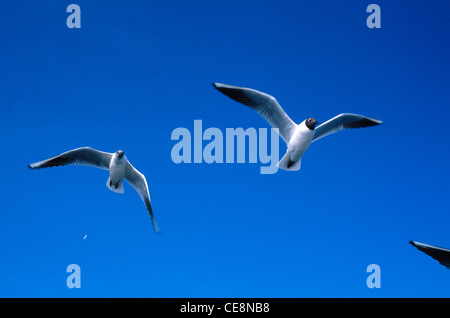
column 216, row 85
column 412, row 243
column 377, row 122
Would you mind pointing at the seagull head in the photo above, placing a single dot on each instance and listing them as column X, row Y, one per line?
column 311, row 123
column 119, row 154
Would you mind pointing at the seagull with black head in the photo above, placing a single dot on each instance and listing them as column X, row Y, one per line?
column 297, row 137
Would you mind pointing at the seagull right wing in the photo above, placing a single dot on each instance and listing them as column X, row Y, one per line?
column 139, row 183
column 266, row 105
column 81, row 156
column 442, row 255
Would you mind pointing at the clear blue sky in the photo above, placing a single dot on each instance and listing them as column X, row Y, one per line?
column 136, row 70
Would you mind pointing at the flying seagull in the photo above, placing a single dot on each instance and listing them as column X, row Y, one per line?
column 117, row 163
column 442, row 255
column 297, row 137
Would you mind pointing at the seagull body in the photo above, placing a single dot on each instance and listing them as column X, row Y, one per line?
column 118, row 165
column 297, row 137
column 296, row 147
column 117, row 172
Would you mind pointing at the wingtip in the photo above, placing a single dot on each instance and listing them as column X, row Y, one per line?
column 375, row 122
column 155, row 226
column 216, row 85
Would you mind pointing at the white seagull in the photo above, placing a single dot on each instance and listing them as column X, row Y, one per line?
column 297, row 137
column 117, row 163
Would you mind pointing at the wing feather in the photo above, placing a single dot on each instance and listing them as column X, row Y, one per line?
column 266, row 105
column 442, row 255
column 80, row 156
column 344, row 121
column 139, row 183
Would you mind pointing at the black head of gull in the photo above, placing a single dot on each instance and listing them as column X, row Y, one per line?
column 120, row 154
column 311, row 123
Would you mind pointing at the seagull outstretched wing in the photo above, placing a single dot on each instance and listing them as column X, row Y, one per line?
column 266, row 105
column 81, row 156
column 344, row 121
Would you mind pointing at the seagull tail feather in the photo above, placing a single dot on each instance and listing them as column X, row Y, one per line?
column 288, row 165
column 115, row 187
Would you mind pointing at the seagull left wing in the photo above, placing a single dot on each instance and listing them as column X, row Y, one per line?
column 442, row 255
column 139, row 183
column 81, row 156
column 344, row 121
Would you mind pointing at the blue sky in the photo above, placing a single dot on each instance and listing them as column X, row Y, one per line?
column 136, row 70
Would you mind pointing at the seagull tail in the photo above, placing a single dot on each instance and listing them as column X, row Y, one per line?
column 115, row 187
column 287, row 164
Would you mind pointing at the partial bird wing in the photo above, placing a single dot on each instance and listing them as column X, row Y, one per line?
column 442, row 255
column 80, row 156
column 266, row 105
column 344, row 121
column 139, row 183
